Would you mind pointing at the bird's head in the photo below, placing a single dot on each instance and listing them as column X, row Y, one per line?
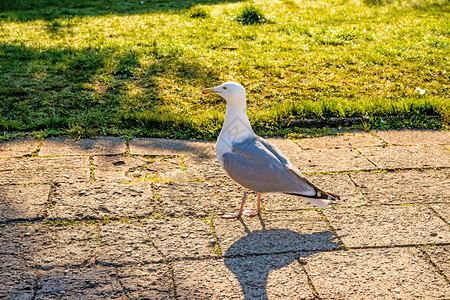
column 231, row 91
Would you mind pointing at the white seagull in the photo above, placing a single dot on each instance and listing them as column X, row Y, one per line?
column 253, row 162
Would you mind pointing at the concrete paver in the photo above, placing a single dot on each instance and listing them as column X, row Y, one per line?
column 101, row 145
column 443, row 210
column 392, row 273
column 45, row 176
column 48, row 247
column 331, row 160
column 404, row 186
column 97, row 218
column 345, row 140
column 250, row 277
column 439, row 255
column 96, row 200
column 275, row 233
column 199, row 199
column 414, row 137
column 119, row 162
column 93, row 283
column 181, row 238
column 407, row 156
column 388, row 226
column 18, row 147
column 35, row 163
column 16, row 282
column 22, row 201
column 151, row 146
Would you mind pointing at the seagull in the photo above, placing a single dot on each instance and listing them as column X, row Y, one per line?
column 253, row 162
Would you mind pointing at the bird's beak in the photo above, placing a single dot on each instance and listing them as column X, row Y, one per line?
column 208, row 91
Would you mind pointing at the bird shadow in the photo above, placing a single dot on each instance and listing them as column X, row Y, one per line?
column 254, row 256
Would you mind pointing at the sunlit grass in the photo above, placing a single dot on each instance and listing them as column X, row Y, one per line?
column 132, row 68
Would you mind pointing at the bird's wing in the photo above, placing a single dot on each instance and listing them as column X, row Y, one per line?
column 253, row 165
column 292, row 169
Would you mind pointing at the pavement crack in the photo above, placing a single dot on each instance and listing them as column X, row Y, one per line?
column 359, row 151
column 310, row 282
column 333, row 230
column 437, row 214
column 50, row 200
column 436, row 267
column 91, row 169
column 217, row 248
column 125, row 293
column 38, row 148
column 169, row 264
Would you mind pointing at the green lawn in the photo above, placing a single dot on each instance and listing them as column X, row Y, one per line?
column 137, row 68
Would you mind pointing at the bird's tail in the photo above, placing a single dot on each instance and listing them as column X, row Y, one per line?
column 321, row 198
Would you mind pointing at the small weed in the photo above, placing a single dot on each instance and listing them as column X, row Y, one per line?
column 250, row 15
column 105, row 219
column 59, row 223
column 183, row 165
column 198, row 12
column 197, row 179
column 157, row 216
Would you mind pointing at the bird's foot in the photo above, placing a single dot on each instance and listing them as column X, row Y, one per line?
column 251, row 213
column 231, row 216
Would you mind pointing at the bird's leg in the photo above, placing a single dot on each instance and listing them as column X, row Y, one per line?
column 238, row 215
column 251, row 213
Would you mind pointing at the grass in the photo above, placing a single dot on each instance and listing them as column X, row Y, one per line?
column 136, row 68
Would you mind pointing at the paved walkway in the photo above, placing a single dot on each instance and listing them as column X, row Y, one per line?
column 107, row 219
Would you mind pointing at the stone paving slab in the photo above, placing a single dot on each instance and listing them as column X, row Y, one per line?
column 50, row 247
column 146, row 281
column 16, row 281
column 388, row 226
column 119, row 162
column 408, row 156
column 125, row 244
column 155, row 146
column 274, row 233
column 345, row 140
column 18, row 147
column 250, row 277
column 101, row 145
column 45, row 176
column 39, row 163
column 405, row 186
column 22, row 201
column 11, row 239
column 331, row 160
column 443, row 210
column 85, row 283
column 96, row 200
column 182, row 238
column 439, row 255
column 196, row 199
column 414, row 137
column 392, row 273
column 138, row 169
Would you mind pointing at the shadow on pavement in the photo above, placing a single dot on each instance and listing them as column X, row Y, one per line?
column 252, row 271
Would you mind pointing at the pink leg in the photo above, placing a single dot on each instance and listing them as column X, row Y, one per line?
column 238, row 215
column 250, row 213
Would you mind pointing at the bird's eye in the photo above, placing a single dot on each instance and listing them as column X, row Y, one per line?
column 224, row 87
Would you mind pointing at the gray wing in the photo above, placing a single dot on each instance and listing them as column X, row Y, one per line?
column 259, row 166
